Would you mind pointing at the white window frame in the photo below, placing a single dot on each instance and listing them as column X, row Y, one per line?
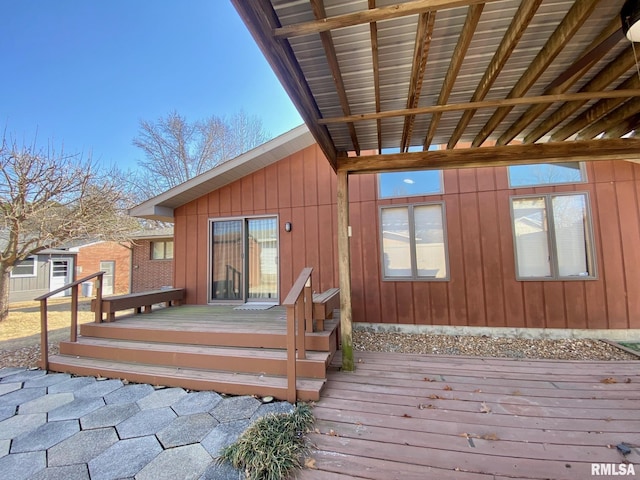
column 412, row 239
column 590, row 249
column 34, row 271
column 583, row 177
column 164, row 257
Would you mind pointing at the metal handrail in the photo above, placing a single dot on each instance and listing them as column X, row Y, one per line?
column 299, row 304
column 73, row 336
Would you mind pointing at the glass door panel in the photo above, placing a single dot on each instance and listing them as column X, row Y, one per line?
column 262, row 248
column 227, row 260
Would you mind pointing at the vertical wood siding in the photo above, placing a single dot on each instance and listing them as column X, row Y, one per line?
column 482, row 290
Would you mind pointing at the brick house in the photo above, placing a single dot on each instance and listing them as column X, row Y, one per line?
column 152, row 260
column 114, row 258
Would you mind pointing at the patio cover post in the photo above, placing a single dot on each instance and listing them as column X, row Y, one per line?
column 344, row 270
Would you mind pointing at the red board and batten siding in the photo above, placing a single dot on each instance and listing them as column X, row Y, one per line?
column 482, row 290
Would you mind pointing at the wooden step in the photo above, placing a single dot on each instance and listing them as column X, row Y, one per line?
column 231, row 359
column 193, row 379
column 146, row 331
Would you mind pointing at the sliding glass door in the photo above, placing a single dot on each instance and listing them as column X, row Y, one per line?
column 244, row 259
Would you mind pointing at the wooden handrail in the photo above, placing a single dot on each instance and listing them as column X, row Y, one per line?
column 66, row 287
column 299, row 304
column 73, row 336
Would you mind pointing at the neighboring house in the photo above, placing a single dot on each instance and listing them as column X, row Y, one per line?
column 44, row 272
column 534, row 246
column 113, row 258
column 152, row 260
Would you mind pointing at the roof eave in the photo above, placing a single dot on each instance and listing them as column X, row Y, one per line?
column 162, row 206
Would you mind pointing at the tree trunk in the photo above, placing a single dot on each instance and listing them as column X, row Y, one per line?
column 4, row 293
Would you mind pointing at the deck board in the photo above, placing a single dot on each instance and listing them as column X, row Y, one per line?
column 475, row 418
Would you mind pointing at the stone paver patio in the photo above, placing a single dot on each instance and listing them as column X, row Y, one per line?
column 54, row 426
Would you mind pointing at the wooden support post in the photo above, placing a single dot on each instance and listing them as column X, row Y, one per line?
column 99, row 299
column 344, row 269
column 73, row 337
column 44, row 336
column 291, row 355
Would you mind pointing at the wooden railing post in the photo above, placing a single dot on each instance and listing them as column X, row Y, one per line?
column 296, row 305
column 99, row 298
column 74, row 314
column 291, row 356
column 44, row 336
column 44, row 333
column 300, row 343
column 308, row 306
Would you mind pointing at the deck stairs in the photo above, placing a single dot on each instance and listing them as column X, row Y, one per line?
column 199, row 356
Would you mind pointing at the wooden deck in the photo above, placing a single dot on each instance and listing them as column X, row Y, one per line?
column 417, row 417
column 200, row 348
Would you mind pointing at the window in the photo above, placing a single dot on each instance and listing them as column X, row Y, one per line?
column 546, row 174
column 552, row 237
column 414, row 242
column 407, row 184
column 25, row 268
column 161, row 250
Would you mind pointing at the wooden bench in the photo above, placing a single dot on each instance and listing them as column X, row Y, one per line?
column 113, row 304
column 324, row 304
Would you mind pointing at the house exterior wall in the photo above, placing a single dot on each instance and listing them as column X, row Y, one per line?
column 25, row 289
column 148, row 274
column 90, row 256
column 482, row 289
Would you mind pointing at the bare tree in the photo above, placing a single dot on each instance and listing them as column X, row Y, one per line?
column 176, row 150
column 48, row 198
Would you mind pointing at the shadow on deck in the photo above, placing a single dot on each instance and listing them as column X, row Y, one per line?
column 241, row 352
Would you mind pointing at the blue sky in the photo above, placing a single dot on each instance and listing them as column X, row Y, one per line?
column 83, row 73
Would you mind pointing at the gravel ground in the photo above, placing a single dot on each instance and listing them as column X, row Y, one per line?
column 484, row 346
column 432, row 344
column 24, row 357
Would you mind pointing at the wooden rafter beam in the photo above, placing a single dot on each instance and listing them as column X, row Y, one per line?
column 617, row 117
column 601, row 45
column 598, row 110
column 569, row 25
column 624, row 127
column 371, row 15
column 419, row 64
column 613, row 71
column 588, row 150
column 332, row 59
column 521, row 20
column 261, row 20
column 464, row 40
column 453, row 107
column 373, row 30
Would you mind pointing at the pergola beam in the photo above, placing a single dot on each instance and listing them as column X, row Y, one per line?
column 332, row 59
column 260, row 19
column 518, row 25
column 563, row 97
column 594, row 52
column 373, row 29
column 616, row 117
column 621, row 64
column 595, row 112
column 419, row 64
column 371, row 15
column 522, row 154
column 570, row 24
column 464, row 40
